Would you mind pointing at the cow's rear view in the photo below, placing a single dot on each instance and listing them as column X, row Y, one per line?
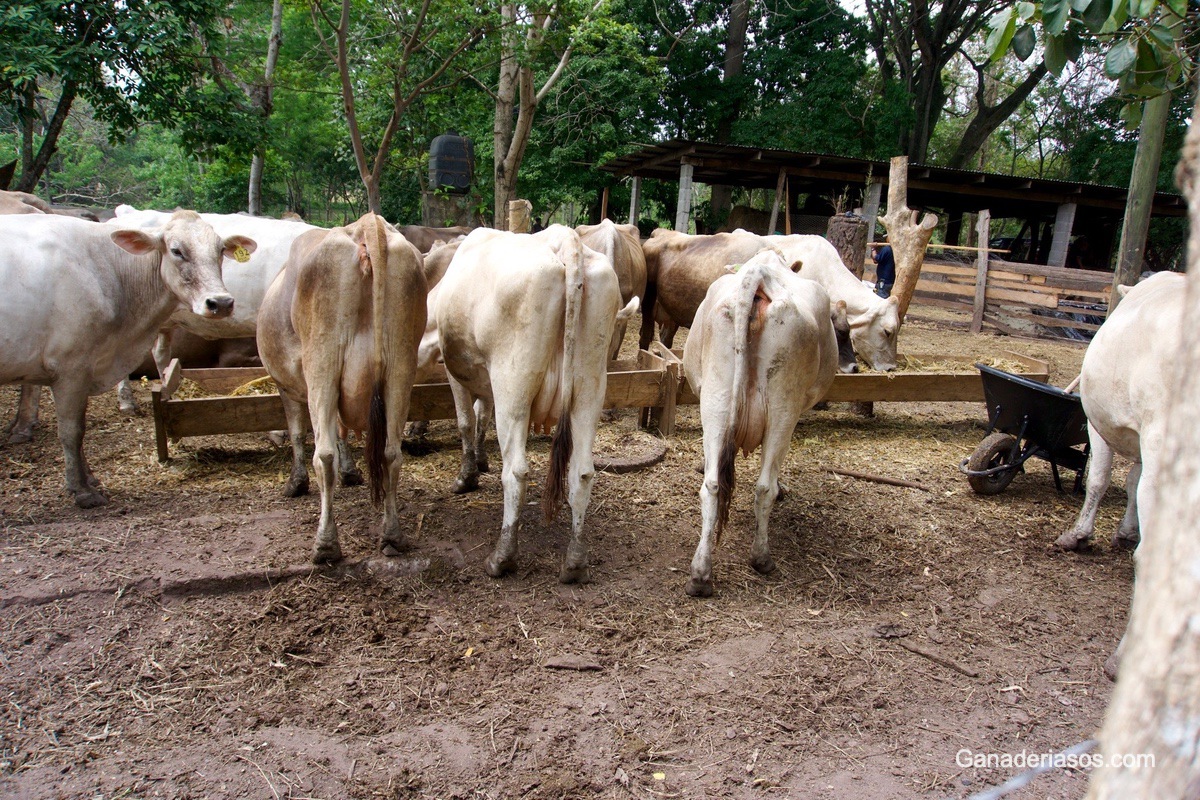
column 339, row 330
column 761, row 352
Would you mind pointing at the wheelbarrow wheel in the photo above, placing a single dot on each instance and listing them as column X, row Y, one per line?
column 994, row 451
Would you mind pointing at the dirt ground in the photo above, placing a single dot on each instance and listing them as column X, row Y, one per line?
column 176, row 643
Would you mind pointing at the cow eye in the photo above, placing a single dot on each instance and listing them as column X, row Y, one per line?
column 177, row 251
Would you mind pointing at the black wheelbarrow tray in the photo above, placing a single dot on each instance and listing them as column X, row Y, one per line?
column 1026, row 418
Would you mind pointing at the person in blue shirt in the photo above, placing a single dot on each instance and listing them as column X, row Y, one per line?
column 885, row 271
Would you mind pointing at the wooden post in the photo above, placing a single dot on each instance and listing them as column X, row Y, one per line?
column 604, row 204
column 907, row 238
column 683, row 210
column 1064, row 220
column 520, row 214
column 635, row 200
column 775, row 205
column 981, row 269
column 787, row 208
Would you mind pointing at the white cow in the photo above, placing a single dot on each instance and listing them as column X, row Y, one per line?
column 246, row 280
column 82, row 302
column 761, row 352
column 874, row 321
column 1124, row 384
column 524, row 323
column 339, row 331
column 622, row 246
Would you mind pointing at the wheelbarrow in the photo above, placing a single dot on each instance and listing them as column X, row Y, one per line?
column 1026, row 419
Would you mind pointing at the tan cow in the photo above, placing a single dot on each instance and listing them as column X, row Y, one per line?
column 338, row 330
column 83, row 302
column 679, row 270
column 423, row 237
column 525, row 322
column 762, row 351
column 622, row 246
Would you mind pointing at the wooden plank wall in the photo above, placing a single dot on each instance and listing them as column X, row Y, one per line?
column 1027, row 292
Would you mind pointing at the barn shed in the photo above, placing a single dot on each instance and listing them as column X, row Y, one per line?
column 1055, row 272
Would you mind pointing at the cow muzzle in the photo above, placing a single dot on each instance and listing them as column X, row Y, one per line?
column 218, row 306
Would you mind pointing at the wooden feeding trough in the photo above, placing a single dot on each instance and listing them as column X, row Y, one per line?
column 652, row 381
column 647, row 381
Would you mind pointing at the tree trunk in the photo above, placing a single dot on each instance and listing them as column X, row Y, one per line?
column 29, row 177
column 263, row 102
column 907, row 238
column 1155, row 708
column 989, row 116
column 28, row 117
column 735, row 56
column 849, row 236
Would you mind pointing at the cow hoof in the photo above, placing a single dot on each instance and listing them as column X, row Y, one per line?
column 698, row 588
column 1126, row 541
column 464, row 485
column 764, row 566
column 90, row 499
column 394, row 547
column 499, row 567
column 327, row 554
column 296, row 488
column 783, row 492
column 1071, row 540
column 352, row 477
column 574, row 575
column 482, row 465
column 20, row 437
column 130, row 411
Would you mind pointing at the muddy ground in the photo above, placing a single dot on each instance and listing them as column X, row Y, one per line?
column 176, row 643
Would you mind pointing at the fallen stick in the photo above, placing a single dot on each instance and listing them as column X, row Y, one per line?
column 866, row 476
column 937, row 658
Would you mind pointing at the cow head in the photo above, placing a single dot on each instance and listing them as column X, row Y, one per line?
column 873, row 334
column 190, row 254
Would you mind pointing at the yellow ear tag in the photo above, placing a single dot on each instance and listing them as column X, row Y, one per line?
column 241, row 255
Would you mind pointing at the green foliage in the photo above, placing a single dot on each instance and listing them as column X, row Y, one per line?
column 1147, row 50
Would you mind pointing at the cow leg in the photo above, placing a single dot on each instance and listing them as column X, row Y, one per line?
column 392, row 542
column 1098, row 476
column 715, row 424
column 667, row 333
column 766, row 491
column 468, row 473
column 483, row 419
column 126, row 403
column 297, row 483
column 349, row 473
column 512, row 429
column 614, row 346
column 322, row 410
column 581, row 473
column 71, row 406
column 1129, row 532
column 20, row 430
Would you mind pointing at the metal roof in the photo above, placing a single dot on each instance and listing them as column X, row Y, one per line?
column 928, row 186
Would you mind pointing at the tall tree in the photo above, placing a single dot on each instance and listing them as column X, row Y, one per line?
column 132, row 61
column 914, row 41
column 525, row 39
column 408, row 48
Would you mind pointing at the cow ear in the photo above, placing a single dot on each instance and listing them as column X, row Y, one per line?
column 838, row 315
column 137, row 242
column 239, row 248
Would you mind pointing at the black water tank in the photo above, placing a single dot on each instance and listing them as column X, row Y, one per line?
column 451, row 163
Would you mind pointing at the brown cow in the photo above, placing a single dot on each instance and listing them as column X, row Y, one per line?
column 338, row 330
column 622, row 246
column 423, row 238
column 679, row 270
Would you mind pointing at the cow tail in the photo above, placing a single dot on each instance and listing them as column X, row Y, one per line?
column 571, row 254
column 746, row 324
column 376, row 444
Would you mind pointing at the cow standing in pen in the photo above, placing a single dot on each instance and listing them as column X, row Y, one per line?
column 524, row 323
column 621, row 245
column 761, row 352
column 338, row 331
column 83, row 302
